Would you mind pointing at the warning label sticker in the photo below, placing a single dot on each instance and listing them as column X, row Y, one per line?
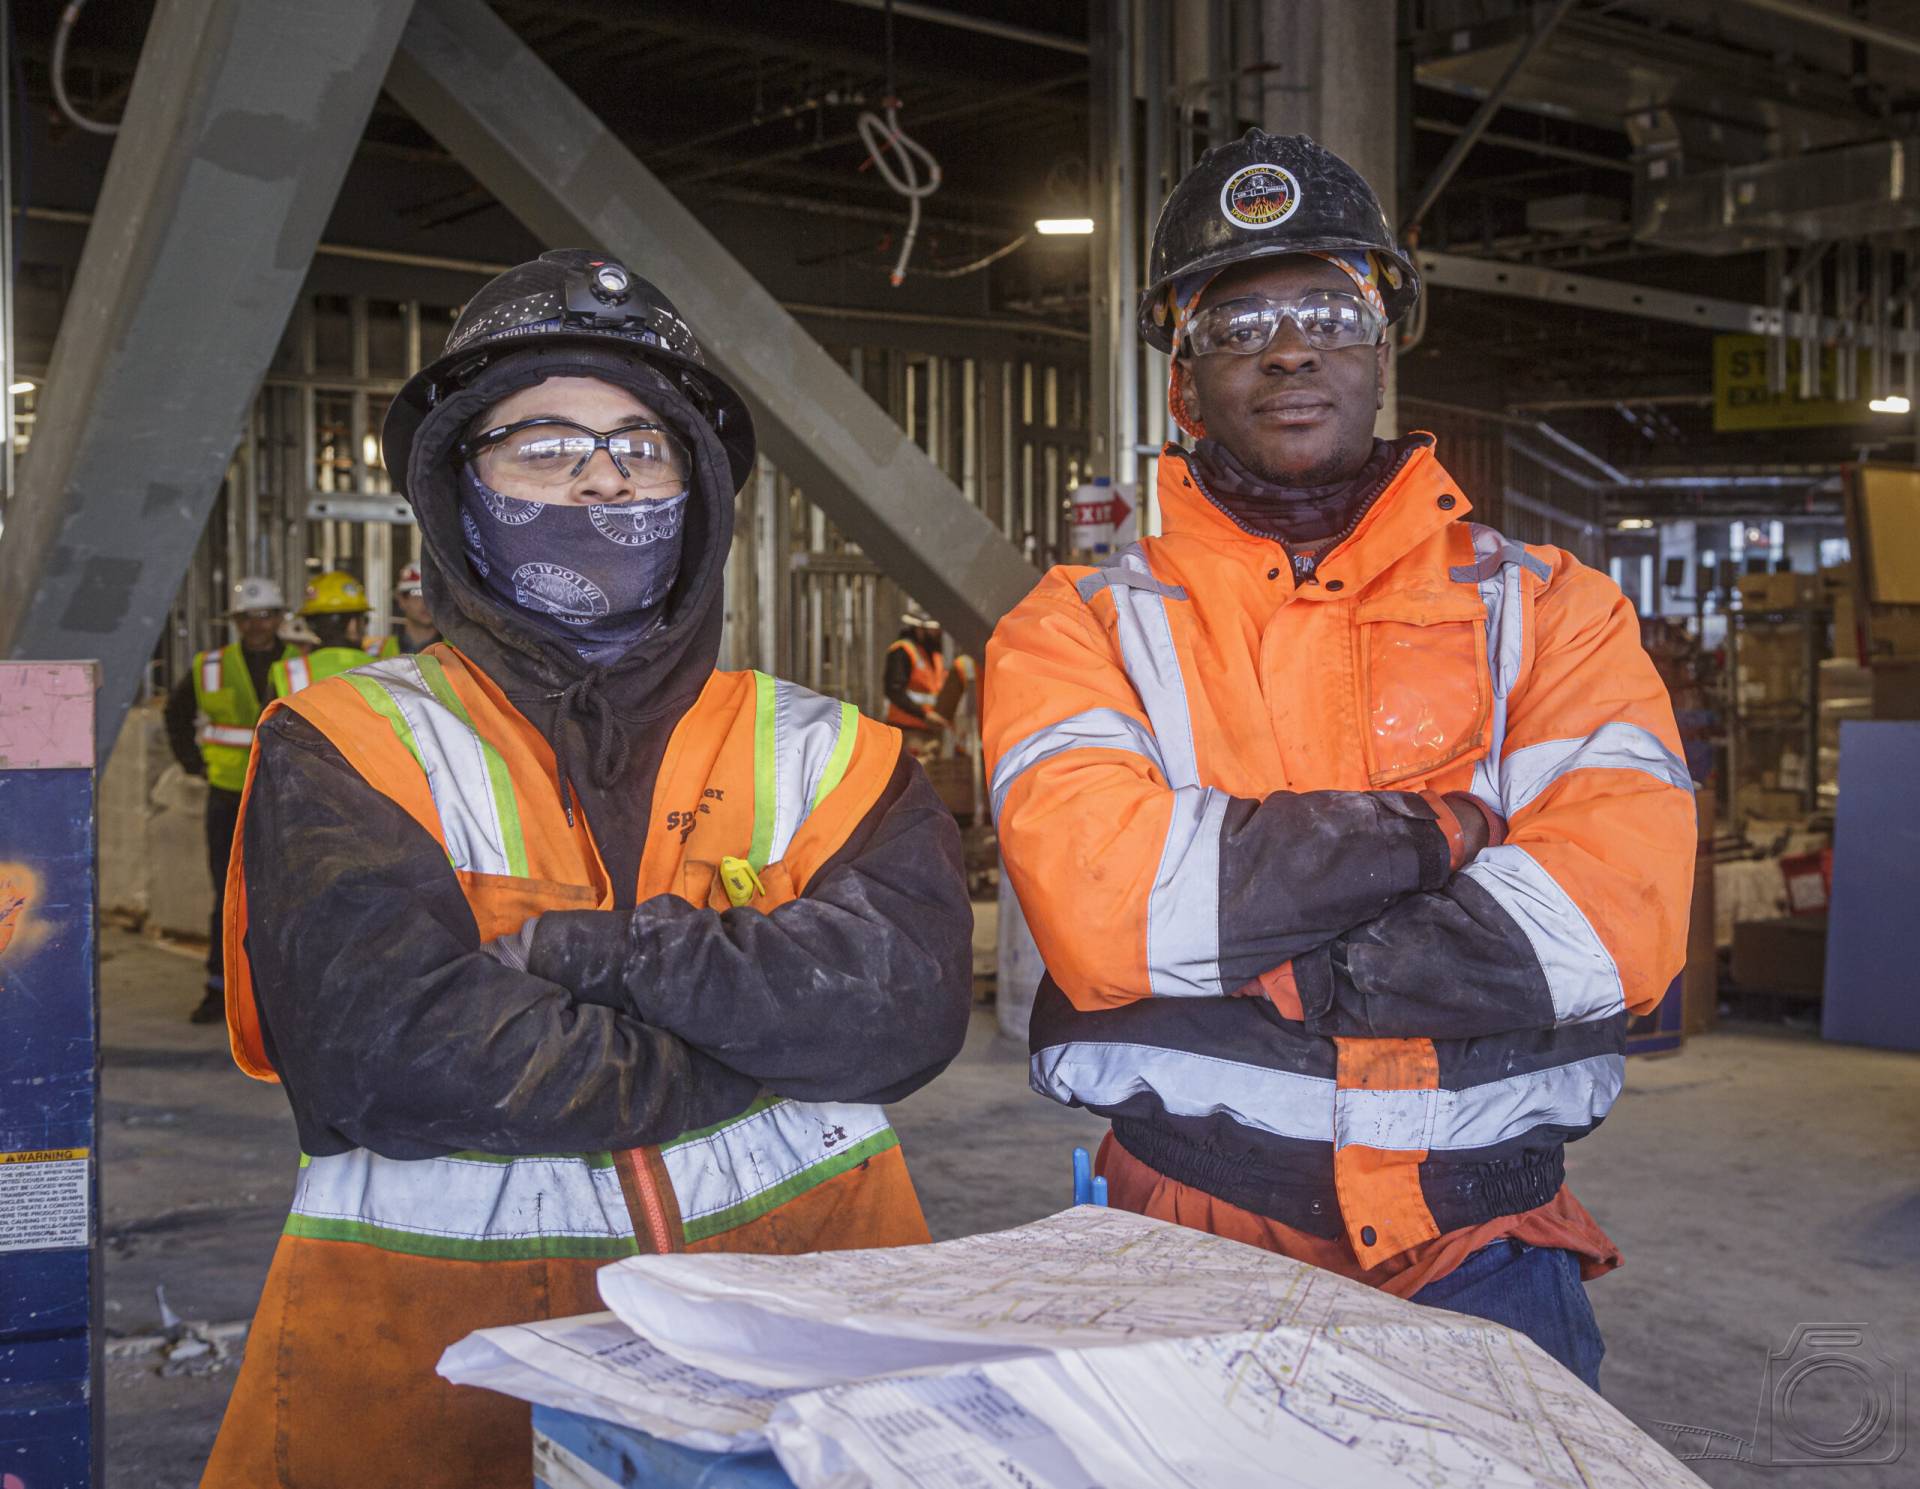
column 43, row 1199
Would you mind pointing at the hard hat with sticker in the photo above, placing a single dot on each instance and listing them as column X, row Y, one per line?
column 1261, row 195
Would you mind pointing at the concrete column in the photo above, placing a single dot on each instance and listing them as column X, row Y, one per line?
column 1338, row 79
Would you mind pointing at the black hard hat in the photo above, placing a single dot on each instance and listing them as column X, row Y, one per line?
column 1262, row 196
column 571, row 297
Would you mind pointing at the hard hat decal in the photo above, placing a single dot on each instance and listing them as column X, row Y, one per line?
column 1259, row 196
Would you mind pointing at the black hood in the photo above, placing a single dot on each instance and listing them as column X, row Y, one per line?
column 662, row 672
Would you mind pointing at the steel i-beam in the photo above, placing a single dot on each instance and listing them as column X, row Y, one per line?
column 238, row 131
column 507, row 118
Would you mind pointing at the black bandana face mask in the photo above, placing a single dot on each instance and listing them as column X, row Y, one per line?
column 596, row 577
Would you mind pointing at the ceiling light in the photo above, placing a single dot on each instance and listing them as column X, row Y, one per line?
column 1893, row 403
column 1633, row 524
column 1061, row 227
column 25, row 385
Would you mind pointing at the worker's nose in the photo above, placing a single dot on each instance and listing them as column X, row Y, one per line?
column 1289, row 351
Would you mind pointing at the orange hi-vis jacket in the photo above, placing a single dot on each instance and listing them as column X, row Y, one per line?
column 928, row 676
column 1207, row 782
column 385, row 1262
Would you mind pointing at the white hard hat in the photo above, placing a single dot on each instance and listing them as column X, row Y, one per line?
column 255, row 593
column 917, row 616
column 409, row 581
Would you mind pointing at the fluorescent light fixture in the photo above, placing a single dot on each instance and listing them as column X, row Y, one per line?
column 25, row 385
column 1893, row 403
column 1062, row 227
column 1633, row 524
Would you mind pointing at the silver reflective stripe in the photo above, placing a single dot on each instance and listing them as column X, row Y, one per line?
column 1313, row 1109
column 1183, row 911
column 1616, row 746
column 227, row 734
column 806, row 727
column 1153, row 666
column 1498, row 576
column 1580, row 972
column 1574, row 1096
column 210, row 673
column 299, row 675
column 1187, row 1085
column 454, row 758
column 465, row 1205
column 1095, row 729
column 751, row 1165
column 925, row 700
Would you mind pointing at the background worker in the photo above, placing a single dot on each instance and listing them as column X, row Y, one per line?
column 210, row 717
column 916, row 670
column 335, row 609
column 565, row 944
column 417, row 631
column 1350, row 831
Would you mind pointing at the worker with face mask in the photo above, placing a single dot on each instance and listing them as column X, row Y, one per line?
column 1350, row 830
column 565, row 945
column 210, row 717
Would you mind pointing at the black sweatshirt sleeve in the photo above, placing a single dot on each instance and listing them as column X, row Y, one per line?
column 391, row 1029
column 182, row 707
column 859, row 990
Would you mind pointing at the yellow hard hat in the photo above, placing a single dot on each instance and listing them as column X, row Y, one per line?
column 335, row 593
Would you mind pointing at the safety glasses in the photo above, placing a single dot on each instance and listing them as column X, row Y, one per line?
column 1326, row 319
column 544, row 453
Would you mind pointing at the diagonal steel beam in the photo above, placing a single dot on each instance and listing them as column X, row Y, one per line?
column 504, row 115
column 243, row 118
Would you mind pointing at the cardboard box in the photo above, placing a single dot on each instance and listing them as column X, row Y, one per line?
column 1779, row 591
column 1788, row 957
column 1896, row 690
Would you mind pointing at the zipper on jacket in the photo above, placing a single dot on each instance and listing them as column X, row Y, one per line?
column 656, row 1213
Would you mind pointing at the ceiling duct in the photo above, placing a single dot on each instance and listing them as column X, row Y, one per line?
column 1855, row 191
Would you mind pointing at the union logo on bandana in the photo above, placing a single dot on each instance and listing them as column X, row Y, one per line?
column 476, row 550
column 636, row 524
column 560, row 592
column 1259, row 196
column 508, row 509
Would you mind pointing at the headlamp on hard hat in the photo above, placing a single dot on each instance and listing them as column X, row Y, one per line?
column 1327, row 320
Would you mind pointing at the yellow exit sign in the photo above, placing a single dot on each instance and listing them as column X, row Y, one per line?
column 1742, row 399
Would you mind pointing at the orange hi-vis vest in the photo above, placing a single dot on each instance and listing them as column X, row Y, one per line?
column 924, row 682
column 385, row 1262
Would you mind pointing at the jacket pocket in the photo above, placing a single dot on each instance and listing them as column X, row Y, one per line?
column 1426, row 691
column 501, row 905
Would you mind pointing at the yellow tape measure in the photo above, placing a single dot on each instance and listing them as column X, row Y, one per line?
column 740, row 881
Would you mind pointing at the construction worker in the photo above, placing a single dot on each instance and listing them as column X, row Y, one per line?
column 417, row 631
column 916, row 670
column 210, row 717
column 335, row 609
column 1350, row 831
column 659, row 939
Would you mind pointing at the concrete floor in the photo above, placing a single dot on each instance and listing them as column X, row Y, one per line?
column 1756, row 1181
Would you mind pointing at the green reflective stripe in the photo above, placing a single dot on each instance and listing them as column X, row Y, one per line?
column 455, row 1248
column 836, row 770
column 514, row 840
column 381, row 702
column 760, row 1204
column 696, row 1134
column 766, row 770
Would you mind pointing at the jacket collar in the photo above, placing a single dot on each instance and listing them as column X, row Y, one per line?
column 1407, row 514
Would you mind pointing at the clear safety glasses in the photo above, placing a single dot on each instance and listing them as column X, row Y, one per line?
column 542, row 454
column 1327, row 320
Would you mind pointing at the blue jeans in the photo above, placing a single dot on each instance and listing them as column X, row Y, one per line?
column 1533, row 1289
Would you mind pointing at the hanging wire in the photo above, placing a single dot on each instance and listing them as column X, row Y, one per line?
column 961, row 270
column 59, row 65
column 901, row 161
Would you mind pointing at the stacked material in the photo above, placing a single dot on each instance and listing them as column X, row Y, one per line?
column 1096, row 1349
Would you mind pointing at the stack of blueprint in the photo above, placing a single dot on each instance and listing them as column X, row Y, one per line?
column 1096, row 1349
